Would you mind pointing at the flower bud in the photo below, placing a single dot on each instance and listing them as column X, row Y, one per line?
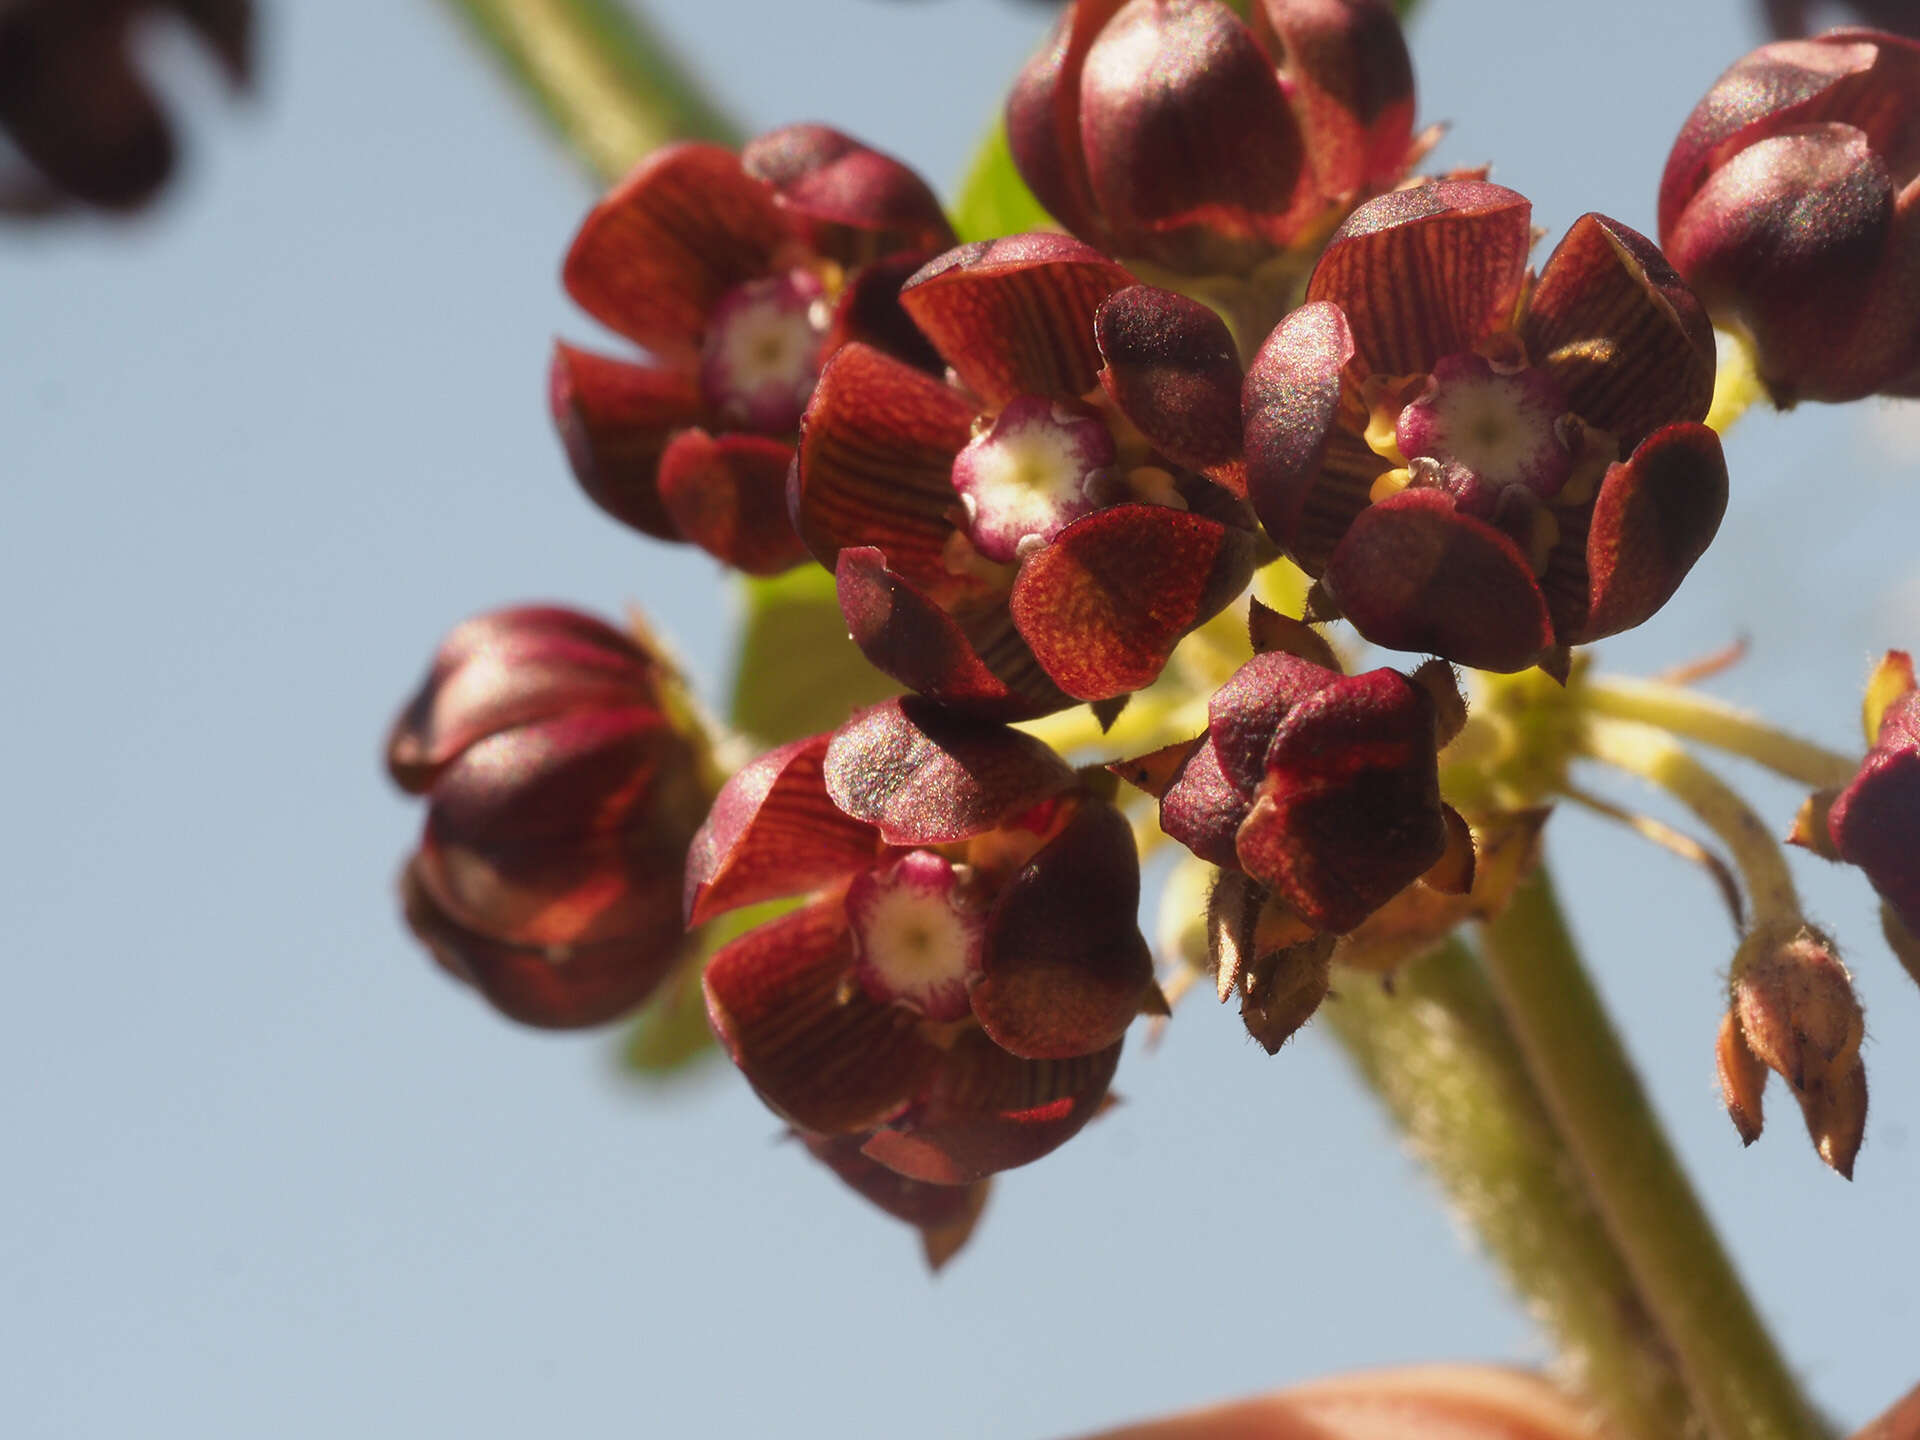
column 1179, row 134
column 1794, row 1012
column 561, row 796
column 1788, row 203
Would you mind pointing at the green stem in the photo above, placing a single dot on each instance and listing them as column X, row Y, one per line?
column 1712, row 722
column 605, row 81
column 1438, row 1051
column 1738, row 1381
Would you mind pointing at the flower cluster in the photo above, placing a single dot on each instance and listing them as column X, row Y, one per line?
column 1042, row 470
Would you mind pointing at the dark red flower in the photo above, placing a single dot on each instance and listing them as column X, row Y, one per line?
column 1045, row 528
column 1175, row 132
column 1794, row 19
column 73, row 102
column 1791, row 204
column 739, row 274
column 561, row 797
column 1479, row 466
column 954, row 990
column 1875, row 822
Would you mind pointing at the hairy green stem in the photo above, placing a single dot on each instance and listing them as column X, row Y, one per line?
column 1438, row 1051
column 1737, row 1379
column 600, row 76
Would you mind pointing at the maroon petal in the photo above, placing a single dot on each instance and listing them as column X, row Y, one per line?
column 1416, row 574
column 556, row 987
column 1192, row 151
column 1427, row 272
column 869, row 313
column 508, row 668
column 772, row 831
column 926, row 776
column 563, row 831
column 1349, row 812
column 1173, row 371
column 1202, row 809
column 834, row 181
column 1015, row 316
column 729, row 496
column 1655, row 516
column 1620, row 332
column 990, row 1111
column 1043, row 119
column 1104, row 604
column 876, row 465
column 1350, row 82
column 1308, row 474
column 944, row 1214
column 1066, row 968
column 1244, row 713
column 817, row 1050
column 1876, row 825
column 652, row 258
column 615, row 419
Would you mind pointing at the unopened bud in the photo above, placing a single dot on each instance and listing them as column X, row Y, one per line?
column 1743, row 1078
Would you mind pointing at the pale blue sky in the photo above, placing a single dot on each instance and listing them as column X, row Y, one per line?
column 271, row 1174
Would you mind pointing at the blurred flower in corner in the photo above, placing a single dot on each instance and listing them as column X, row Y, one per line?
column 78, row 110
column 1794, row 19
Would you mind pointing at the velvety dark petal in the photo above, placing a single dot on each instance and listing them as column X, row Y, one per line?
column 1043, row 119
column 1015, row 316
column 1349, row 812
column 818, row 1051
column 1244, row 712
column 1415, row 574
column 990, row 1111
column 1789, row 239
column 1203, row 811
column 1620, row 332
column 1772, row 89
column 869, row 313
column 75, row 106
column 1191, row 148
column 563, row 831
column 875, row 468
column 1655, row 516
column 615, row 419
column 1173, row 371
column 944, row 1214
column 728, row 495
column 1308, row 474
column 1427, row 272
column 1876, row 825
column 926, row 776
column 508, row 668
column 556, row 987
column 1351, row 86
column 905, row 635
column 686, row 226
column 1066, row 967
column 772, row 832
column 1104, row 604
column 838, row 184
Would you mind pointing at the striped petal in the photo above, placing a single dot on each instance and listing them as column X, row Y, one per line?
column 990, row 1111
column 1620, row 333
column 925, row 776
column 1015, row 316
column 1415, row 574
column 615, row 419
column 818, row 1051
column 1350, row 81
column 858, row 202
column 652, row 258
column 728, row 495
column 1655, row 516
column 876, row 464
column 772, row 831
column 554, row 987
column 1066, row 967
column 1172, row 369
column 1427, row 272
column 1308, row 470
column 905, row 635
column 1104, row 604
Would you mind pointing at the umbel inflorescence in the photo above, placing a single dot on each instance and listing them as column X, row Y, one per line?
column 1094, row 498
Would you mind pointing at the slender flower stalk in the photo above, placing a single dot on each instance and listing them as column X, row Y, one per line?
column 1738, row 1381
column 1725, row 727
